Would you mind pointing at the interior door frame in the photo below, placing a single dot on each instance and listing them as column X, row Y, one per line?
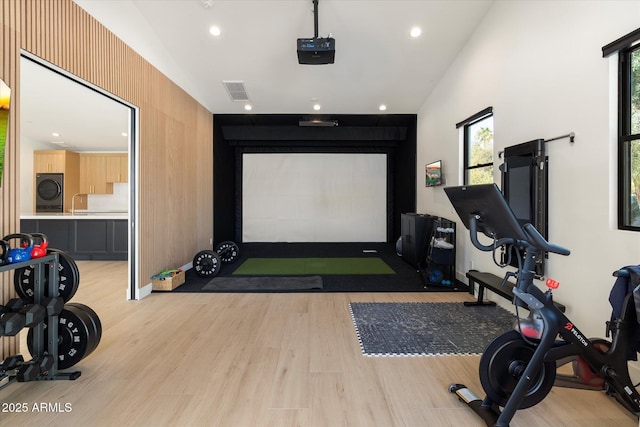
column 133, row 292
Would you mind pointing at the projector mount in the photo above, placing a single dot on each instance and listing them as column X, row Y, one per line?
column 316, row 50
column 315, row 19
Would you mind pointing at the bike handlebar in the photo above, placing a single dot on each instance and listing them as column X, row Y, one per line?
column 535, row 240
column 473, row 231
column 541, row 243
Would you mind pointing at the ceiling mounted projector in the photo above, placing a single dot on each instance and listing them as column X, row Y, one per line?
column 316, row 50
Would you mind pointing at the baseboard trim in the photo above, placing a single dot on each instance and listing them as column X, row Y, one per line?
column 144, row 291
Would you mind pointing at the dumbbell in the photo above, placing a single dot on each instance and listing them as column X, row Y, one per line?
column 11, row 363
column 30, row 371
column 33, row 313
column 10, row 323
column 17, row 314
column 50, row 306
column 53, row 305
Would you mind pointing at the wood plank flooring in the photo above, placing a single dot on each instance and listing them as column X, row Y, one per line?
column 272, row 360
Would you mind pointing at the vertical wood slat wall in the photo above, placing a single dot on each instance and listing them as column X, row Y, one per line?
column 175, row 153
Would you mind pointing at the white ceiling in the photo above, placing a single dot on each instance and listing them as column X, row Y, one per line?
column 376, row 62
column 84, row 119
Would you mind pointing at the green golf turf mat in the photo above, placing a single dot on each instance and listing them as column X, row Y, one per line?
column 306, row 266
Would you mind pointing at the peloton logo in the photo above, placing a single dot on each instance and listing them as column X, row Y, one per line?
column 569, row 327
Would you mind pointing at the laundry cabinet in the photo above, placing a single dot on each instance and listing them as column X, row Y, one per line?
column 49, row 161
column 59, row 161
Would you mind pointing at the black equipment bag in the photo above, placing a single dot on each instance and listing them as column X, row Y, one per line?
column 626, row 290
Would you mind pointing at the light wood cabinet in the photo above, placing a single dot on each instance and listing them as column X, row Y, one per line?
column 84, row 173
column 49, row 161
column 117, row 167
column 60, row 161
column 93, row 174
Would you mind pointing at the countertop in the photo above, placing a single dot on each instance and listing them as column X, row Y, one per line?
column 79, row 214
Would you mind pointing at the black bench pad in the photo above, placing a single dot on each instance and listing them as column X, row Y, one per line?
column 493, row 283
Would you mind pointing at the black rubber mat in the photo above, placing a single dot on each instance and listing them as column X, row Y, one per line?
column 262, row 283
column 427, row 329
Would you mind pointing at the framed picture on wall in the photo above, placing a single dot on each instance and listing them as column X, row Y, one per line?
column 433, row 174
column 5, row 100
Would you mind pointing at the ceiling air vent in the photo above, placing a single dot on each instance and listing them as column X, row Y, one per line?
column 236, row 90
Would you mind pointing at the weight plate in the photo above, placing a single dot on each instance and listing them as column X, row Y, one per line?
column 95, row 322
column 207, row 263
column 66, row 265
column 96, row 330
column 74, row 337
column 228, row 251
column 68, row 278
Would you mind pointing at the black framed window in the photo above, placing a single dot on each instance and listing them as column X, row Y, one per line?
column 628, row 131
column 478, row 147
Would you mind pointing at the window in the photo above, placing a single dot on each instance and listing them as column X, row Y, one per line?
column 478, row 148
column 629, row 139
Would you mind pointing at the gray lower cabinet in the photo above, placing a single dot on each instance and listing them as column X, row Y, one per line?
column 83, row 239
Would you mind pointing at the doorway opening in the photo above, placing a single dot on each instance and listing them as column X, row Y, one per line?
column 60, row 111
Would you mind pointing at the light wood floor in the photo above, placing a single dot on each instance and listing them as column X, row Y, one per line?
column 262, row 360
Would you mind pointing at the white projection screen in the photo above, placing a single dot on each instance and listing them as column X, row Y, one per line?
column 314, row 197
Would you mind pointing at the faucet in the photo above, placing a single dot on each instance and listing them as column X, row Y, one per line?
column 73, row 202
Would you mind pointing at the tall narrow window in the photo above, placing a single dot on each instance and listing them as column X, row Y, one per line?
column 478, row 148
column 629, row 139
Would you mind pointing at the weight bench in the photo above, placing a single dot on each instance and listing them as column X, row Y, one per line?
column 493, row 283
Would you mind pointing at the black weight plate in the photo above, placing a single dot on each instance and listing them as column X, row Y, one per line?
column 67, row 265
column 68, row 278
column 96, row 331
column 228, row 251
column 207, row 263
column 86, row 321
column 90, row 316
column 74, row 336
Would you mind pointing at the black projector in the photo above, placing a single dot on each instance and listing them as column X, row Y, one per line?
column 316, row 51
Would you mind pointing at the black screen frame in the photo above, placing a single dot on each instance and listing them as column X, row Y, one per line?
column 494, row 216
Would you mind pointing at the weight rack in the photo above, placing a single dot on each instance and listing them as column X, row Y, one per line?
column 49, row 261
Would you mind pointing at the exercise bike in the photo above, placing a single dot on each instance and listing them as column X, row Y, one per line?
column 518, row 369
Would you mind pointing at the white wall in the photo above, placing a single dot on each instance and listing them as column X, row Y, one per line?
column 539, row 64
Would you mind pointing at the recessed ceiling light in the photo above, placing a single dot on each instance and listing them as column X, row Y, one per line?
column 215, row 30
column 248, row 107
column 55, row 134
column 57, row 142
column 316, row 107
column 123, row 134
column 415, row 32
column 382, row 107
